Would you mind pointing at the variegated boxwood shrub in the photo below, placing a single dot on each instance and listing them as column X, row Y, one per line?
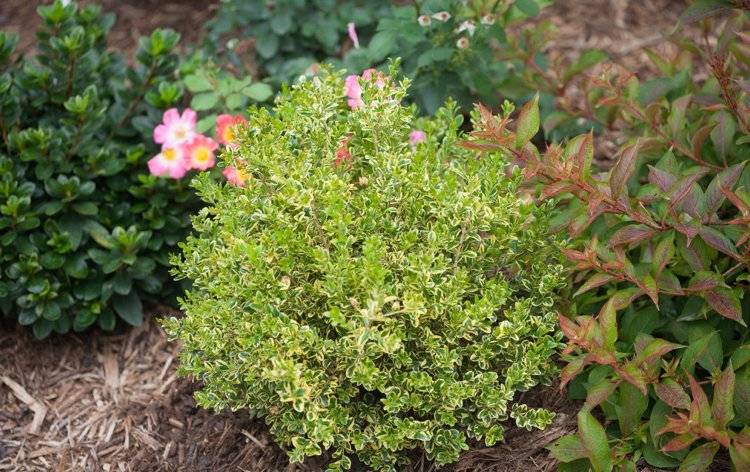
column 372, row 288
column 85, row 231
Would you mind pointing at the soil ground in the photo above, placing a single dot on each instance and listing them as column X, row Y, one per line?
column 101, row 402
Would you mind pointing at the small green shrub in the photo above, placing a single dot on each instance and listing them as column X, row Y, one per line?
column 372, row 288
column 659, row 345
column 85, row 231
column 289, row 35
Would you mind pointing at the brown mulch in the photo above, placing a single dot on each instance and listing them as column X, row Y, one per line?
column 135, row 18
column 102, row 402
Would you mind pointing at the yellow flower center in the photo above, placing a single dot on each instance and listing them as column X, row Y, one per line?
column 229, row 134
column 169, row 154
column 202, row 155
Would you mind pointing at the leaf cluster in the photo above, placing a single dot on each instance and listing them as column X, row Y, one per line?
column 364, row 295
column 659, row 342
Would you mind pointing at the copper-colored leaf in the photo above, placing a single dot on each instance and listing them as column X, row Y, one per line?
column 631, row 234
column 725, row 302
column 723, row 397
column 623, row 169
column 671, row 393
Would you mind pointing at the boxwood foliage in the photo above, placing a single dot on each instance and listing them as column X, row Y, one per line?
column 367, row 296
column 85, row 232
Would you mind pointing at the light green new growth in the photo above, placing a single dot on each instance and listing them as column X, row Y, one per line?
column 395, row 301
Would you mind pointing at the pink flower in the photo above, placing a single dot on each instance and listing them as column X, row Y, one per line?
column 353, row 91
column 368, row 74
column 199, row 152
column 235, row 176
column 225, row 128
column 175, row 129
column 350, row 28
column 170, row 161
column 416, row 137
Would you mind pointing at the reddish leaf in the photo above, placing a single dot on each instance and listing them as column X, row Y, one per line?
column 705, row 280
column 622, row 298
column 699, row 138
column 623, row 169
column 736, row 200
column 654, row 349
column 632, row 375
column 571, row 370
column 648, row 285
column 699, row 458
column 679, row 442
column 631, row 234
column 556, row 188
column 671, row 393
column 663, row 253
column 714, row 195
column 718, row 241
column 600, row 392
column 725, row 302
column 682, row 188
column 596, row 280
column 723, row 397
column 662, row 179
column 700, row 412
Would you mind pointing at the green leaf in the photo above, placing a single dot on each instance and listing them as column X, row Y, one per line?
column 594, row 440
column 585, row 61
column 631, row 407
column 528, row 122
column 567, row 448
column 723, row 397
column 86, row 208
column 233, row 101
column 723, row 133
column 699, row 458
column 381, row 45
column 129, row 308
column 528, row 7
column 671, row 393
column 42, row 328
column 197, row 83
column 204, row 101
column 717, row 240
column 258, row 91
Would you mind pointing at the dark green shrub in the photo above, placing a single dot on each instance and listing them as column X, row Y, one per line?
column 372, row 289
column 289, row 35
column 659, row 345
column 85, row 231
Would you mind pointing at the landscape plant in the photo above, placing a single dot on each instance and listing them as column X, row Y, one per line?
column 658, row 344
column 372, row 288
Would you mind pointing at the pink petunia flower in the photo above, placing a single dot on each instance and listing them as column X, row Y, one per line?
column 351, row 29
column 225, row 128
column 235, row 176
column 169, row 162
column 353, row 92
column 175, row 129
column 199, row 152
column 417, row 136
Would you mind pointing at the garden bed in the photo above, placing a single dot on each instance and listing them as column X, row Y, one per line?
column 113, row 402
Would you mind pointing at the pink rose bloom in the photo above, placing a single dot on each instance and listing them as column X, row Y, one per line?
column 350, row 28
column 235, row 176
column 353, row 92
column 170, row 162
column 175, row 130
column 199, row 152
column 416, row 137
column 225, row 128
